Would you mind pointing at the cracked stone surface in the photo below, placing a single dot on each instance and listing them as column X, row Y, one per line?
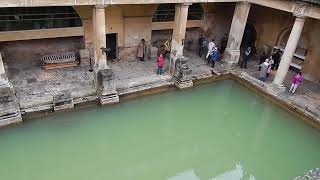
column 35, row 86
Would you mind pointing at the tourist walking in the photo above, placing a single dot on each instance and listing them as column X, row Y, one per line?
column 142, row 50
column 211, row 47
column 264, row 70
column 297, row 79
column 202, row 45
column 247, row 55
column 213, row 58
column 160, row 63
column 262, row 59
column 223, row 43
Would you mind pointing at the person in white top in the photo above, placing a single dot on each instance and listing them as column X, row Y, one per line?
column 271, row 62
column 211, row 47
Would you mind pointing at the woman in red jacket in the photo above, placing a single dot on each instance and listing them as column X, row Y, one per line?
column 160, row 63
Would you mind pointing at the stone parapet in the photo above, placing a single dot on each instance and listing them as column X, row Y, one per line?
column 182, row 74
column 9, row 106
column 106, row 87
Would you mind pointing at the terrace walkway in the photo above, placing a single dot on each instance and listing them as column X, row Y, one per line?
column 35, row 88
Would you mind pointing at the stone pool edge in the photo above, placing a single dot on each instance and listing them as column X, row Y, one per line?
column 242, row 78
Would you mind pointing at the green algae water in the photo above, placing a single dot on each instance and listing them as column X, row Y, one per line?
column 219, row 131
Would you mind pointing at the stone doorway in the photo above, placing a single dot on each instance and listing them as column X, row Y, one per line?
column 112, row 40
column 249, row 36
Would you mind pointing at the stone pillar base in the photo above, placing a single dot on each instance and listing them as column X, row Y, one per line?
column 182, row 74
column 183, row 85
column 9, row 106
column 63, row 101
column 275, row 89
column 106, row 87
column 231, row 56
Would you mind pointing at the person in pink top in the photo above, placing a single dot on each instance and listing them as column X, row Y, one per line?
column 297, row 79
column 160, row 63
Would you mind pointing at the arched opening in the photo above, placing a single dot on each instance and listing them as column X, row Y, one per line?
column 249, row 36
column 300, row 54
column 30, row 18
column 166, row 12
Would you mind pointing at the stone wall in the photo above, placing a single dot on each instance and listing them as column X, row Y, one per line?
column 28, row 53
column 218, row 18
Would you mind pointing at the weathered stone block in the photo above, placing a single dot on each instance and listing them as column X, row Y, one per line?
column 182, row 74
column 9, row 107
column 6, row 90
column 63, row 101
column 84, row 57
column 106, row 87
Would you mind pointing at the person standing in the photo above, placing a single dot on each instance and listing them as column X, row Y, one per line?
column 262, row 59
column 142, row 50
column 297, row 79
column 202, row 44
column 160, row 63
column 213, row 58
column 276, row 57
column 211, row 47
column 264, row 70
column 223, row 43
column 271, row 62
column 247, row 55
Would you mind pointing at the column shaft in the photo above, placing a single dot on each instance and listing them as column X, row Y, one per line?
column 3, row 77
column 179, row 29
column 239, row 21
column 289, row 51
column 99, row 28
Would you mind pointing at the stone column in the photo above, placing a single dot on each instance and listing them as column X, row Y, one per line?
column 239, row 21
column 179, row 29
column 289, row 50
column 3, row 77
column 99, row 29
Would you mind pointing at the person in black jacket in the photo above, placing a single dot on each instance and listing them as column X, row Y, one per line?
column 247, row 55
column 276, row 57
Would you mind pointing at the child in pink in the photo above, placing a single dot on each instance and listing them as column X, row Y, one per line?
column 160, row 63
column 297, row 79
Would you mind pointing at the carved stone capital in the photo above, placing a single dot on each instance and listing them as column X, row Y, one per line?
column 100, row 6
column 187, row 4
column 299, row 10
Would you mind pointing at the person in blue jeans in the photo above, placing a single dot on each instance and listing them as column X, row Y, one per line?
column 213, row 57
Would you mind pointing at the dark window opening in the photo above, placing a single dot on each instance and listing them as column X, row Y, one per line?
column 112, row 44
column 195, row 12
column 166, row 12
column 15, row 19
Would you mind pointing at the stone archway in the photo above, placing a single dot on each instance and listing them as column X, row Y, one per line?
column 249, row 36
column 283, row 37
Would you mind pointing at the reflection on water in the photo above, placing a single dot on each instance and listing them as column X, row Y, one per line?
column 186, row 175
column 234, row 174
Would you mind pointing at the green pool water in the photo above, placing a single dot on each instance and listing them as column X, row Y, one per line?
column 219, row 131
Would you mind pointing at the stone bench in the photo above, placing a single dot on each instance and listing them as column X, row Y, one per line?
column 59, row 60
